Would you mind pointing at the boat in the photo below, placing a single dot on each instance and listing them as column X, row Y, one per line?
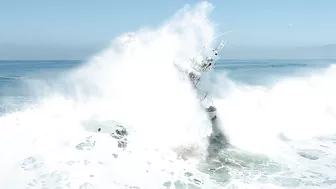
column 198, row 66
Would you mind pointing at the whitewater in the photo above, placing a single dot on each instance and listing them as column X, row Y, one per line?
column 274, row 135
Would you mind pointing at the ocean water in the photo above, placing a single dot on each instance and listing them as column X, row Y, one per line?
column 59, row 118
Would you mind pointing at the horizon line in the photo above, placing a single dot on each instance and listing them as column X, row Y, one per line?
column 82, row 60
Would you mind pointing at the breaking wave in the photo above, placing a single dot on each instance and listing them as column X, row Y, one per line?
column 123, row 118
column 132, row 86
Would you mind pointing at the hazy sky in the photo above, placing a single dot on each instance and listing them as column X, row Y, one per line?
column 75, row 28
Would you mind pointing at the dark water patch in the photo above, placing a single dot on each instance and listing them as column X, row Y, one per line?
column 271, row 64
column 11, row 78
column 311, row 154
column 232, row 163
column 259, row 66
column 32, row 163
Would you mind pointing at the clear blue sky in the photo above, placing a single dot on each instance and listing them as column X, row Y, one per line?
column 90, row 25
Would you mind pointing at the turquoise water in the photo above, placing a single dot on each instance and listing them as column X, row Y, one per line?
column 262, row 72
column 17, row 76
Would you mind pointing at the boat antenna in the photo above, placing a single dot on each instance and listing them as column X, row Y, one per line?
column 222, row 34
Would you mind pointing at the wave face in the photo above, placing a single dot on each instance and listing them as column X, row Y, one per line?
column 120, row 119
column 55, row 142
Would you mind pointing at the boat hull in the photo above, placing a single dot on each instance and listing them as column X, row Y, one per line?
column 212, row 112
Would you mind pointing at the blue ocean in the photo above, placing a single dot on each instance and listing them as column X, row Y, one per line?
column 124, row 118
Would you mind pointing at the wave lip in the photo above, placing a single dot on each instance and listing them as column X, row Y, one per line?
column 135, row 84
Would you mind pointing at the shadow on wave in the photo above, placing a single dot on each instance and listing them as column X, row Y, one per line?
column 217, row 140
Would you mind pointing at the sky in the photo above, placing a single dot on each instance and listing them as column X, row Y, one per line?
column 63, row 29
